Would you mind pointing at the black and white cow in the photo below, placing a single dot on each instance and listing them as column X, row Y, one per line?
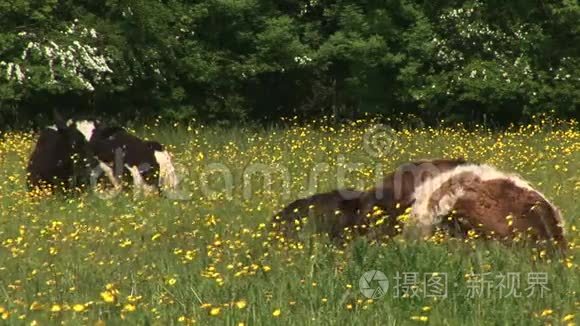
column 62, row 159
column 70, row 155
column 146, row 163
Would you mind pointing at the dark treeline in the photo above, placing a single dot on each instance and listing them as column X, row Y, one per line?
column 257, row 60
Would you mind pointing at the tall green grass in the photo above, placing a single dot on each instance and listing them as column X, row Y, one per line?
column 209, row 258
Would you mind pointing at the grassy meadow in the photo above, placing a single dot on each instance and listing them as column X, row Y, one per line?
column 207, row 257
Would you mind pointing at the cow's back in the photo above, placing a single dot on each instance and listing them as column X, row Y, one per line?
column 116, row 146
column 50, row 162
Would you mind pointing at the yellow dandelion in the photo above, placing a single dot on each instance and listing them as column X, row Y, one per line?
column 129, row 307
column 215, row 311
column 107, row 296
column 132, row 298
column 241, row 304
column 423, row 319
column 55, row 308
column 79, row 307
column 546, row 312
column 276, row 313
column 568, row 317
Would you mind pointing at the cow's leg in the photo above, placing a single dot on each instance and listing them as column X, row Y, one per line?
column 137, row 179
column 106, row 169
column 138, row 182
column 110, row 175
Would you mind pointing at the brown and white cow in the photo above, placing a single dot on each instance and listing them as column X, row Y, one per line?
column 381, row 205
column 339, row 212
column 329, row 212
column 488, row 202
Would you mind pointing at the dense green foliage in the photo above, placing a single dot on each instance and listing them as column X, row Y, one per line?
column 256, row 60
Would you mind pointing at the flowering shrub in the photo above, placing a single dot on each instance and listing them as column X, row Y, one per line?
column 233, row 60
column 64, row 62
column 481, row 68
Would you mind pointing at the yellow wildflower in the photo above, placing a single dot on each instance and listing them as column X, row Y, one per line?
column 79, row 307
column 241, row 304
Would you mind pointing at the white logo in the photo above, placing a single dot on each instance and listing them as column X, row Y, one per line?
column 379, row 141
column 373, row 284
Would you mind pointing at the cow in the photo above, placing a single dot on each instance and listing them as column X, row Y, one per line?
column 62, row 160
column 76, row 153
column 146, row 163
column 382, row 206
column 482, row 201
column 373, row 212
column 333, row 213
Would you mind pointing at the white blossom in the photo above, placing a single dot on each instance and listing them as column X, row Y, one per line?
column 76, row 61
column 302, row 60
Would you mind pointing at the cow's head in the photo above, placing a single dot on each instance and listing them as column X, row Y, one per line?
column 75, row 140
column 77, row 149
